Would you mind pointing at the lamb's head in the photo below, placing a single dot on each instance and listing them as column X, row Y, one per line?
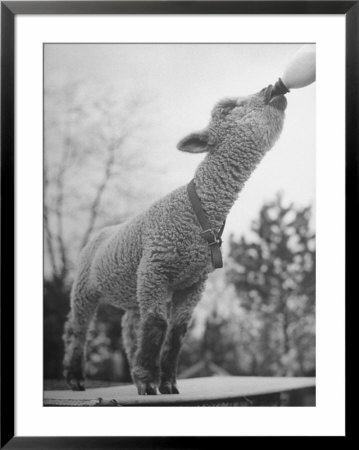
column 247, row 124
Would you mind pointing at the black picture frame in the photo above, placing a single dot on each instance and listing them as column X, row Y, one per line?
column 9, row 10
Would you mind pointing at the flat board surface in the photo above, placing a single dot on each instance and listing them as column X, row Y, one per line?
column 191, row 390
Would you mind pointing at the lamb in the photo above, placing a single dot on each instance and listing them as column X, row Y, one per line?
column 155, row 265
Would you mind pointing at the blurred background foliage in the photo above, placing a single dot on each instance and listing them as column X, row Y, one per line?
column 257, row 315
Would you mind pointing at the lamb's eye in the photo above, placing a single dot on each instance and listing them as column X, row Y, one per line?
column 225, row 106
column 227, row 110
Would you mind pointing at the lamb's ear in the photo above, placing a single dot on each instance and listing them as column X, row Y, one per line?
column 195, row 142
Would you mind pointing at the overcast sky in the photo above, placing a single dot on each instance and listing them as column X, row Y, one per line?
column 186, row 81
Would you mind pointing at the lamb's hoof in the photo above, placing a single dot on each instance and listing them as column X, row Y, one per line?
column 75, row 381
column 168, row 388
column 76, row 385
column 146, row 388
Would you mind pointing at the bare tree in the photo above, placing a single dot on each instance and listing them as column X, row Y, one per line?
column 92, row 159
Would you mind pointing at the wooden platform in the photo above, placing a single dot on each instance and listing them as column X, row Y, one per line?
column 208, row 391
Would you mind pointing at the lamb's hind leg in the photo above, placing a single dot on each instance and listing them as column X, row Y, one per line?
column 83, row 308
column 183, row 304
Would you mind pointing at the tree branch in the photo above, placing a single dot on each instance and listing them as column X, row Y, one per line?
column 94, row 210
column 48, row 235
column 58, row 210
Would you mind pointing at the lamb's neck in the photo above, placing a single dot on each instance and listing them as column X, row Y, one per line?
column 220, row 177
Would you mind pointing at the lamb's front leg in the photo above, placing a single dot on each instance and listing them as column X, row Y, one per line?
column 183, row 304
column 152, row 294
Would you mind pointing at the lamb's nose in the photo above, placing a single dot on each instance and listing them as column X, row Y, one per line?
column 279, row 102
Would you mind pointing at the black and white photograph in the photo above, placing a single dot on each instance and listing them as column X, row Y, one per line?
column 178, row 186
column 179, row 224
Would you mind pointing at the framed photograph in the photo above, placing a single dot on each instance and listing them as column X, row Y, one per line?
column 176, row 184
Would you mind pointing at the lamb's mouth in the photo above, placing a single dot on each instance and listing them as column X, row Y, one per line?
column 278, row 102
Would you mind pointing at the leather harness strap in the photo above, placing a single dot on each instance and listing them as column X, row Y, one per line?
column 212, row 238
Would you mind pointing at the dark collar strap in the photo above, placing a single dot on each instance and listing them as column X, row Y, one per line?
column 213, row 239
